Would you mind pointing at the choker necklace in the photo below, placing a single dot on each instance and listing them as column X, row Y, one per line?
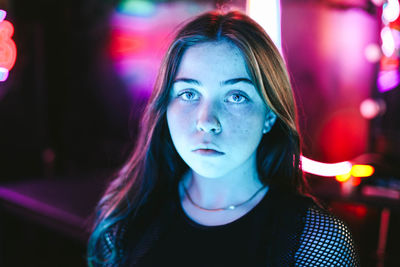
column 230, row 207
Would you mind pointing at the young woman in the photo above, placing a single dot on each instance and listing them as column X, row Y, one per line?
column 215, row 178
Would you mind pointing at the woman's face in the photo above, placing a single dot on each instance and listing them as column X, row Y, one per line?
column 215, row 115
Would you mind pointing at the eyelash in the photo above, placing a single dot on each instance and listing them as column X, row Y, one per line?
column 182, row 95
column 245, row 99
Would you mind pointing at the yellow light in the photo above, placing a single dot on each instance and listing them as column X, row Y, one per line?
column 343, row 177
column 362, row 170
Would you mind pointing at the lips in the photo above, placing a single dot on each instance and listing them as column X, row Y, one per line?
column 208, row 152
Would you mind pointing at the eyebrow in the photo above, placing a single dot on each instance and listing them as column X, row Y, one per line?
column 227, row 82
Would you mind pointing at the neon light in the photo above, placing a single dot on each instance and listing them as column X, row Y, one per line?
column 387, row 80
column 268, row 14
column 377, row 2
column 373, row 53
column 325, row 169
column 125, row 44
column 356, row 172
column 139, row 8
column 8, row 50
column 391, row 11
column 362, row 170
column 389, row 63
column 356, row 181
column 3, row 74
column 388, row 44
column 370, row 108
column 3, row 15
column 343, row 177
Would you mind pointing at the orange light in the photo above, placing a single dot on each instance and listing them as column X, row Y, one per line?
column 343, row 177
column 362, row 170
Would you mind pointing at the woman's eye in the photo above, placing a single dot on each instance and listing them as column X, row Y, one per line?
column 188, row 96
column 237, row 98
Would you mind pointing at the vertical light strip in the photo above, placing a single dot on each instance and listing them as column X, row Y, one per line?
column 267, row 13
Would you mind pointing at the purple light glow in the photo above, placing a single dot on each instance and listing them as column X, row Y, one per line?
column 40, row 207
column 388, row 80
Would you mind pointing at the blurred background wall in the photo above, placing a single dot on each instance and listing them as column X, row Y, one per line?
column 70, row 109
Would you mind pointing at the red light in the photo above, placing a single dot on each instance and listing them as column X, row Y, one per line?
column 356, row 181
column 127, row 44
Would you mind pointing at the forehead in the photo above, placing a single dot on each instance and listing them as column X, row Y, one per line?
column 220, row 60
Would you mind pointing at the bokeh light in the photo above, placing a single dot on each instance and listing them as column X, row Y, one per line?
column 140, row 8
column 378, row 2
column 370, row 108
column 362, row 170
column 390, row 11
column 268, row 15
column 388, row 44
column 388, row 80
column 3, row 14
column 3, row 74
column 325, row 169
column 343, row 177
column 373, row 53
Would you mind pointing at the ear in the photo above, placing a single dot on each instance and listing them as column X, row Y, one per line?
column 269, row 121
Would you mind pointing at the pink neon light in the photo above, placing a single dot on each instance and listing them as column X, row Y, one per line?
column 8, row 50
column 325, row 169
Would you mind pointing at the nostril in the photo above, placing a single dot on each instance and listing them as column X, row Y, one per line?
column 209, row 126
column 207, row 120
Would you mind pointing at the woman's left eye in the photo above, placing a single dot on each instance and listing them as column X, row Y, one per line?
column 237, row 98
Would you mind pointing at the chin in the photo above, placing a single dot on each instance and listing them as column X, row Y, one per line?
column 208, row 167
column 211, row 172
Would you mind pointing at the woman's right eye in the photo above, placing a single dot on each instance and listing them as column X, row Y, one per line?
column 188, row 96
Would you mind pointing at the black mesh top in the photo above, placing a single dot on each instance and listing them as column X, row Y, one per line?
column 281, row 230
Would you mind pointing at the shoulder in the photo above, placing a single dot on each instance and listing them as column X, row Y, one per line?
column 325, row 241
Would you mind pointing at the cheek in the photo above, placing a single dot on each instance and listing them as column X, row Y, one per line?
column 178, row 120
column 245, row 124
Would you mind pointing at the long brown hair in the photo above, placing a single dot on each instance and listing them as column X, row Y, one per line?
column 154, row 165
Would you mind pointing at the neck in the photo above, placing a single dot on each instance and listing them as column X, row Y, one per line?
column 233, row 188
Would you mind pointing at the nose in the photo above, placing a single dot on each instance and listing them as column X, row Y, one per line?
column 207, row 120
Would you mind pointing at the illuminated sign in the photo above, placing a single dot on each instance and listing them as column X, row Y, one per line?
column 8, row 50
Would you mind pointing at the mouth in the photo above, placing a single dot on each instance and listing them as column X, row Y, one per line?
column 208, row 152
